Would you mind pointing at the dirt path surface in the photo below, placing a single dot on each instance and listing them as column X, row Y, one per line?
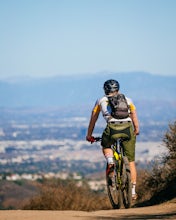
column 163, row 211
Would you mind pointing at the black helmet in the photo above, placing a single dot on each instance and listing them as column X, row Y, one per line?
column 111, row 85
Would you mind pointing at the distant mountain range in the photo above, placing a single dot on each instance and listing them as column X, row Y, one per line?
column 82, row 90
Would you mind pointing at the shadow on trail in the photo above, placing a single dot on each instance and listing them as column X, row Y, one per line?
column 136, row 216
column 165, row 195
column 140, row 216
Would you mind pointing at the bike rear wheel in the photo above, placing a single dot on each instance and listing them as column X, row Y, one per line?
column 127, row 186
column 114, row 193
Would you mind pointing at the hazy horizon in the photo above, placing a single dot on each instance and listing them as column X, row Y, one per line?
column 81, row 75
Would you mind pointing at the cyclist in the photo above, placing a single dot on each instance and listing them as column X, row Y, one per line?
column 128, row 126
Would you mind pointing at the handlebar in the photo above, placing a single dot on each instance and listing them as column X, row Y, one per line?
column 93, row 139
column 97, row 139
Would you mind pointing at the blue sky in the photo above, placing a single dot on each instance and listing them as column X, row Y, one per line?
column 56, row 37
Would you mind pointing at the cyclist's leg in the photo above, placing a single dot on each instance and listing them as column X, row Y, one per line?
column 111, row 133
column 133, row 179
column 133, row 171
column 129, row 148
column 106, row 149
column 108, row 153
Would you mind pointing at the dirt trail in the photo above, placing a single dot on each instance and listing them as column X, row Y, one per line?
column 163, row 211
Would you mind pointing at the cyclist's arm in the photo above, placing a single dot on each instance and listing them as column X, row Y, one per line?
column 134, row 118
column 93, row 119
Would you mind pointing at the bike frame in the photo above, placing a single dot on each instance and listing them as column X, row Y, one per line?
column 122, row 177
column 118, row 153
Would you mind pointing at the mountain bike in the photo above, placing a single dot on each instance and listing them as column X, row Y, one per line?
column 120, row 192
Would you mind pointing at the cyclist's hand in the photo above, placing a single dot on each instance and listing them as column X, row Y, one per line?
column 136, row 132
column 90, row 139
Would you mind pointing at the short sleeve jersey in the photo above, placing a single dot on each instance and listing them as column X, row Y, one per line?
column 103, row 106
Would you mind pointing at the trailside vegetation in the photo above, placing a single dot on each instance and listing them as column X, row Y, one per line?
column 57, row 194
column 158, row 185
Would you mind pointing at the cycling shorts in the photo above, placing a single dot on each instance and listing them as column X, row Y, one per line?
column 125, row 130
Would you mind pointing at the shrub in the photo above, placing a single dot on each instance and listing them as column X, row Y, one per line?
column 159, row 184
column 59, row 195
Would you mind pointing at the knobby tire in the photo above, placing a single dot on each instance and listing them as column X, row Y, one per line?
column 115, row 196
column 127, row 186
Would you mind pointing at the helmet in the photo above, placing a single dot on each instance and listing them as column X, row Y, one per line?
column 111, row 85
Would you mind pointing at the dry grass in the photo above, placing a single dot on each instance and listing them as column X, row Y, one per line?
column 59, row 195
column 159, row 185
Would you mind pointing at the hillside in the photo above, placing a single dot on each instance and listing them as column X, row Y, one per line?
column 83, row 90
column 66, row 97
column 13, row 195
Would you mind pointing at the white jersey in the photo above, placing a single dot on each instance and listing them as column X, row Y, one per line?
column 106, row 109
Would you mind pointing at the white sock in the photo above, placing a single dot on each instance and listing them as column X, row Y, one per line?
column 133, row 188
column 110, row 160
